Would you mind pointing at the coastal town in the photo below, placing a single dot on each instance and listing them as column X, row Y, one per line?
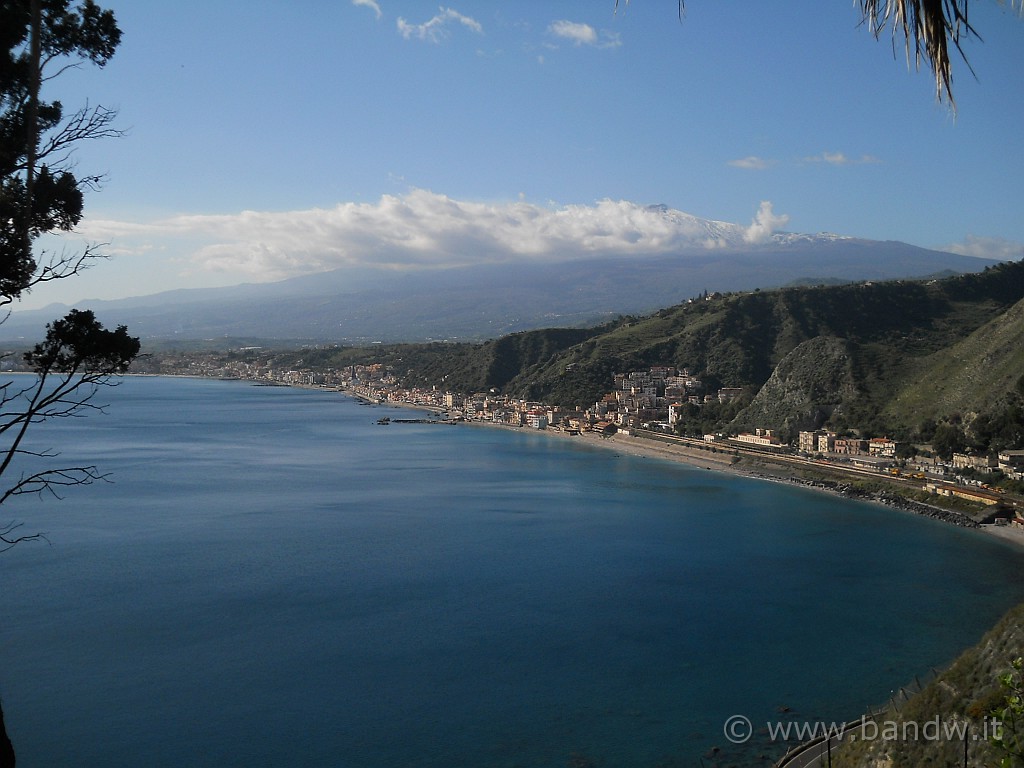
column 650, row 404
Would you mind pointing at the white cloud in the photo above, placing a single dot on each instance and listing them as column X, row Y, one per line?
column 752, row 163
column 437, row 29
column 988, row 248
column 583, row 34
column 840, row 158
column 421, row 230
column 371, row 4
column 764, row 225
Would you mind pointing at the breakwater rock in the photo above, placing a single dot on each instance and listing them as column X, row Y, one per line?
column 891, row 499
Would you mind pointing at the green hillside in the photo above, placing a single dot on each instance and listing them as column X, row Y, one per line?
column 969, row 376
column 894, row 334
column 810, row 385
column 916, row 360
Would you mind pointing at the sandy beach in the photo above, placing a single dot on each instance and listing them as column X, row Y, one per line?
column 723, row 461
column 1011, row 533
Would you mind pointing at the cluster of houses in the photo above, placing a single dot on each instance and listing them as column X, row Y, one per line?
column 653, row 398
column 656, row 399
column 657, row 396
column 1010, row 463
column 824, row 442
column 1007, row 462
column 638, row 399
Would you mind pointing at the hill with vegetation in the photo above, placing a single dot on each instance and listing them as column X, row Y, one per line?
column 900, row 357
column 970, row 375
column 937, row 360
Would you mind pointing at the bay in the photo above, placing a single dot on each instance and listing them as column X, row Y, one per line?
column 274, row 579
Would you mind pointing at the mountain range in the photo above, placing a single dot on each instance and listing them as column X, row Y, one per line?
column 487, row 300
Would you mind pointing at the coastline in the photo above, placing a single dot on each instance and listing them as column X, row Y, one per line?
column 723, row 462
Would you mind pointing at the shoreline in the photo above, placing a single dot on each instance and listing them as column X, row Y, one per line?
column 637, row 446
column 723, row 462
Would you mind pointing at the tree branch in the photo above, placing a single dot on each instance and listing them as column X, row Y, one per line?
column 9, row 540
column 50, row 480
column 60, row 265
column 86, row 124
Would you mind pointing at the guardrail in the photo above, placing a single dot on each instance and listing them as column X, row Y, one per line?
column 798, row 756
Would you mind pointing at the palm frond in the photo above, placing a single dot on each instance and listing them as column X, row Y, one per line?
column 930, row 29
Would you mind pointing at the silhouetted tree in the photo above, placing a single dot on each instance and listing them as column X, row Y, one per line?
column 6, row 748
column 40, row 193
column 77, row 357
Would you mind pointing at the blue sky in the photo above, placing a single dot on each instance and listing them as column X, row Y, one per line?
column 269, row 139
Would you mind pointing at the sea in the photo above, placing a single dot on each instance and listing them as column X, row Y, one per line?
column 272, row 578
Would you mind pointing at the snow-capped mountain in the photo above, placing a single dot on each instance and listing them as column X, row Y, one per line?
column 484, row 300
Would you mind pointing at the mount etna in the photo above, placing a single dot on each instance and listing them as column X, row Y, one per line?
column 489, row 299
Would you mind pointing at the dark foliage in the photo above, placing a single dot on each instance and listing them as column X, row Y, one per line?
column 79, row 342
column 39, row 191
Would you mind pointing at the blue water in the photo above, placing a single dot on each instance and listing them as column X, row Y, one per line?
column 273, row 579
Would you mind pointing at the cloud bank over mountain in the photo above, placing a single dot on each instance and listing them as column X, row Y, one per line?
column 421, row 230
column 425, row 266
column 988, row 248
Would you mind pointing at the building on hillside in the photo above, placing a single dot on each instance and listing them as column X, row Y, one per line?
column 807, row 442
column 662, row 372
column 1011, row 464
column 977, row 461
column 850, row 446
column 675, row 391
column 882, row 447
column 728, row 394
column 675, row 413
column 761, row 437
